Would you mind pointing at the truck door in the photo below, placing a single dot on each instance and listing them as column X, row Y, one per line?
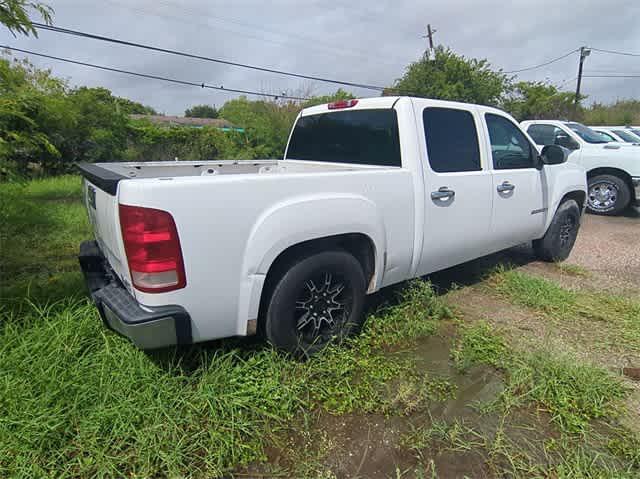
column 457, row 187
column 519, row 187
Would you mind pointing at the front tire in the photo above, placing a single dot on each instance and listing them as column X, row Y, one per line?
column 319, row 299
column 558, row 241
column 607, row 195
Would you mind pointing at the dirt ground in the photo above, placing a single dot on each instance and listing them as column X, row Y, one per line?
column 609, row 247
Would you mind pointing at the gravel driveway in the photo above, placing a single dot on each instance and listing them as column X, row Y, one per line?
column 609, row 246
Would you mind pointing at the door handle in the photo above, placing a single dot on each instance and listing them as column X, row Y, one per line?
column 443, row 193
column 505, row 186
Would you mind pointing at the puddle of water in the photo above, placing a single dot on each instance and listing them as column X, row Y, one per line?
column 480, row 384
column 370, row 445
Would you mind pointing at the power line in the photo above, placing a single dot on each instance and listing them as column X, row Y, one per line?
column 611, row 76
column 615, row 52
column 311, row 43
column 155, row 77
column 543, row 64
column 563, row 83
column 77, row 33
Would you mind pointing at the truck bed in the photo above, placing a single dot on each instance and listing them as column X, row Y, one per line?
column 107, row 175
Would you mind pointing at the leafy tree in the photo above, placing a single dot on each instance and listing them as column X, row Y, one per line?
column 340, row 94
column 15, row 16
column 538, row 100
column 266, row 124
column 133, row 107
column 100, row 132
column 28, row 97
column 452, row 77
column 201, row 111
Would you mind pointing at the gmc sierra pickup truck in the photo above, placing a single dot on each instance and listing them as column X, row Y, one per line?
column 370, row 192
column 613, row 171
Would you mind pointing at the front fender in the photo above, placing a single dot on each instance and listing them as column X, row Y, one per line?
column 627, row 160
column 301, row 219
column 567, row 178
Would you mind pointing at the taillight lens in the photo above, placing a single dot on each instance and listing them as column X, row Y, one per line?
column 338, row 105
column 153, row 249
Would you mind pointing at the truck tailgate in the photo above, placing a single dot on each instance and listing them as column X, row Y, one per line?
column 102, row 209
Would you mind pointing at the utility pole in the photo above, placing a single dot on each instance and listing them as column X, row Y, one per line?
column 584, row 53
column 429, row 35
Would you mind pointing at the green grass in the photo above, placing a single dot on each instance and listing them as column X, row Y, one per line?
column 80, row 401
column 582, row 403
column 572, row 270
column 620, row 314
column 534, row 292
column 478, row 345
column 43, row 223
column 76, row 400
column 572, row 392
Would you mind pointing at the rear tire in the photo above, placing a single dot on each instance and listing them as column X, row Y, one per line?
column 318, row 300
column 558, row 241
column 607, row 195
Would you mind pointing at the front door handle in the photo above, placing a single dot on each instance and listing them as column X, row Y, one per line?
column 505, row 186
column 443, row 193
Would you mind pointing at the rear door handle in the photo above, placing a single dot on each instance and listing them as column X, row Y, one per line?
column 505, row 186
column 443, row 193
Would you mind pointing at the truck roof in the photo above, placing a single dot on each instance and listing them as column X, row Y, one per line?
column 389, row 101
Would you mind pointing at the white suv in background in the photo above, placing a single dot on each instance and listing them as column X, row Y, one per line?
column 613, row 171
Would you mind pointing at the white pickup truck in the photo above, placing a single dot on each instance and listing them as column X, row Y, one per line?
column 613, row 170
column 370, row 192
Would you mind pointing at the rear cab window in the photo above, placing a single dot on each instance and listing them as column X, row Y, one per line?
column 363, row 137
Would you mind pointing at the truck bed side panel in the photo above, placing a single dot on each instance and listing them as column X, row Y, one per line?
column 217, row 217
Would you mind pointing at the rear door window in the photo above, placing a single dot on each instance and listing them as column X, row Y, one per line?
column 365, row 137
column 452, row 140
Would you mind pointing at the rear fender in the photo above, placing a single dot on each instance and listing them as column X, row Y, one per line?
column 301, row 219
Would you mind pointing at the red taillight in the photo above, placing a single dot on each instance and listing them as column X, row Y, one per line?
column 153, row 249
column 337, row 105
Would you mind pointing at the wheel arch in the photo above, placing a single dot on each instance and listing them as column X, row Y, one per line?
column 578, row 196
column 359, row 245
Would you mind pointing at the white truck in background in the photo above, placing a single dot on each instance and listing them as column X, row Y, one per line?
column 370, row 192
column 619, row 135
column 613, row 170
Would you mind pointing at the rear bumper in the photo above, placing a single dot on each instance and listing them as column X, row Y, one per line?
column 147, row 327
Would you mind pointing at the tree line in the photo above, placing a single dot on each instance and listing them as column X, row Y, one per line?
column 47, row 125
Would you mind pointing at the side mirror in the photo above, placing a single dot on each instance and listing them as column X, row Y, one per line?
column 554, row 155
column 567, row 142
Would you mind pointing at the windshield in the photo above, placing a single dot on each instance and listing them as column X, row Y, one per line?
column 587, row 134
column 627, row 136
column 636, row 131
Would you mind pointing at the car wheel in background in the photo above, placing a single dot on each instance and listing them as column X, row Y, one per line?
column 319, row 299
column 558, row 241
column 607, row 195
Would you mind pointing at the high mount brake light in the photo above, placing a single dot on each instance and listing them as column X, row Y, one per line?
column 338, row 105
column 153, row 250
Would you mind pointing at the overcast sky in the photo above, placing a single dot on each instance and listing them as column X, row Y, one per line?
column 355, row 40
